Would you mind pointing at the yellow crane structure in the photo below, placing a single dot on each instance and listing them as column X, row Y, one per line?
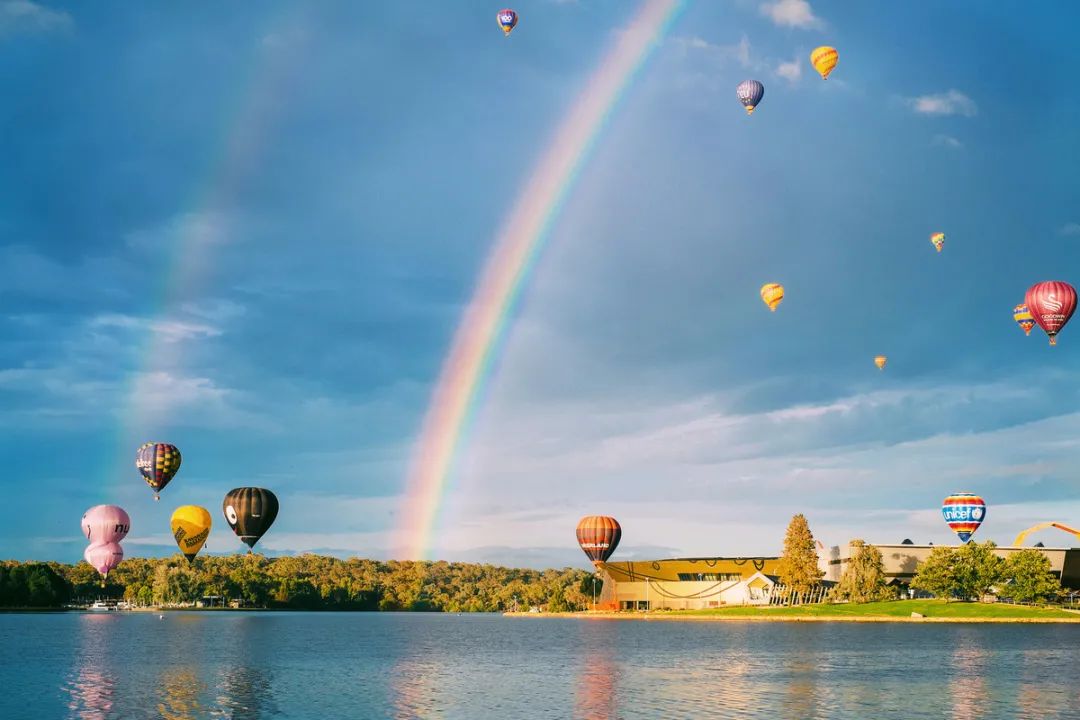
column 1042, row 526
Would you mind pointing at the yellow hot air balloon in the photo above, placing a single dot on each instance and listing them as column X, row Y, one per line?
column 824, row 60
column 772, row 294
column 939, row 240
column 191, row 526
column 880, row 361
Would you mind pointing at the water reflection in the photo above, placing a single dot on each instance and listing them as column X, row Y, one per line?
column 246, row 693
column 595, row 697
column 801, row 689
column 91, row 684
column 967, row 689
column 179, row 690
column 412, row 688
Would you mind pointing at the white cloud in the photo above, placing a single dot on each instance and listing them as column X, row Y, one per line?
column 194, row 228
column 738, row 52
column 791, row 13
column 952, row 102
column 1070, row 229
column 17, row 15
column 947, row 141
column 169, row 330
column 790, row 71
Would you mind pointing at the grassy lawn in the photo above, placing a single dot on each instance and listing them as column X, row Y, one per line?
column 899, row 608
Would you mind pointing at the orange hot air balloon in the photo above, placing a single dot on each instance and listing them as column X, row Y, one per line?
column 598, row 536
column 938, row 239
column 880, row 361
column 772, row 294
column 824, row 59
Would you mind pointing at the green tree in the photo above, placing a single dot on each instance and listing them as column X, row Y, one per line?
column 1030, row 576
column 798, row 568
column 937, row 573
column 864, row 579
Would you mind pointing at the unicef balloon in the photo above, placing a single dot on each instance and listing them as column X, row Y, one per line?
column 1023, row 318
column 508, row 20
column 964, row 513
column 104, row 557
column 105, row 524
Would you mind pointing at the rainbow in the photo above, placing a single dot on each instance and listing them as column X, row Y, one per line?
column 508, row 267
column 188, row 242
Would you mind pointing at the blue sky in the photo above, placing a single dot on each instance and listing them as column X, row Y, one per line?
column 324, row 182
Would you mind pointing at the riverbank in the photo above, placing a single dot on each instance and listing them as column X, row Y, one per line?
column 925, row 611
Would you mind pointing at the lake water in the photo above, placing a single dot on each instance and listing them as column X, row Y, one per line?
column 368, row 665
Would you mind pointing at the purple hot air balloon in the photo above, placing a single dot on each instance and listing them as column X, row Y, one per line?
column 105, row 524
column 104, row 556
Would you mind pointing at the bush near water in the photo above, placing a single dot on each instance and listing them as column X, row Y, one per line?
column 308, row 582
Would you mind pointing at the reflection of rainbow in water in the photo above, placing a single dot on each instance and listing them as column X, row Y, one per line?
column 596, row 685
column 413, row 689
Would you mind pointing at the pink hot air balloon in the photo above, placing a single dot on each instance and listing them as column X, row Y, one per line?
column 104, row 556
column 105, row 524
column 1051, row 304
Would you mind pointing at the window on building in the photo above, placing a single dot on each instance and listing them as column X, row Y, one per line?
column 712, row 577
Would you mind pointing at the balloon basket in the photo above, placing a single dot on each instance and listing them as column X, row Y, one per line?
column 156, row 497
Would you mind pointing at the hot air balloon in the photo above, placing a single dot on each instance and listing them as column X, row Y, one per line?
column 250, row 511
column 158, row 463
column 1023, row 318
column 1051, row 304
column 938, row 239
column 508, row 20
column 598, row 536
column 104, row 557
column 105, row 524
column 824, row 60
column 750, row 93
column 190, row 526
column 880, row 361
column 772, row 294
column 964, row 513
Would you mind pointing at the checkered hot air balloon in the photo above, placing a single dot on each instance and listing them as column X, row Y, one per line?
column 158, row 463
column 964, row 513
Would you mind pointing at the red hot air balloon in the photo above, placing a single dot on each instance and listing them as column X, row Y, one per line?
column 598, row 536
column 1051, row 304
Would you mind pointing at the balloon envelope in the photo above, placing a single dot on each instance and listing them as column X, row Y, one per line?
column 598, row 536
column 964, row 513
column 750, row 93
column 250, row 511
column 105, row 524
column 772, row 294
column 1051, row 304
column 508, row 20
column 158, row 463
column 1023, row 318
column 103, row 557
column 824, row 59
column 938, row 239
column 880, row 361
column 190, row 527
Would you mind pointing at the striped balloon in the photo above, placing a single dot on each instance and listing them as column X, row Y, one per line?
column 598, row 536
column 750, row 93
column 772, row 294
column 964, row 513
column 1023, row 318
column 1051, row 304
column 824, row 59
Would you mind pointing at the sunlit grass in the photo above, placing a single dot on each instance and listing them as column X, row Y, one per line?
column 899, row 608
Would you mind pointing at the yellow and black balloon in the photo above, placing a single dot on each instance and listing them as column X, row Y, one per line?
column 190, row 527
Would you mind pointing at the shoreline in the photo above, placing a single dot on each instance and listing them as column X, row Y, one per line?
column 670, row 617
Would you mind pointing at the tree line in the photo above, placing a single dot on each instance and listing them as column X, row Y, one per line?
column 303, row 582
column 969, row 572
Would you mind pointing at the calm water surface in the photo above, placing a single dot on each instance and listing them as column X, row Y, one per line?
column 366, row 665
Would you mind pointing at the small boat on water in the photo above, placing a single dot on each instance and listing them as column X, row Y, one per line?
column 106, row 606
